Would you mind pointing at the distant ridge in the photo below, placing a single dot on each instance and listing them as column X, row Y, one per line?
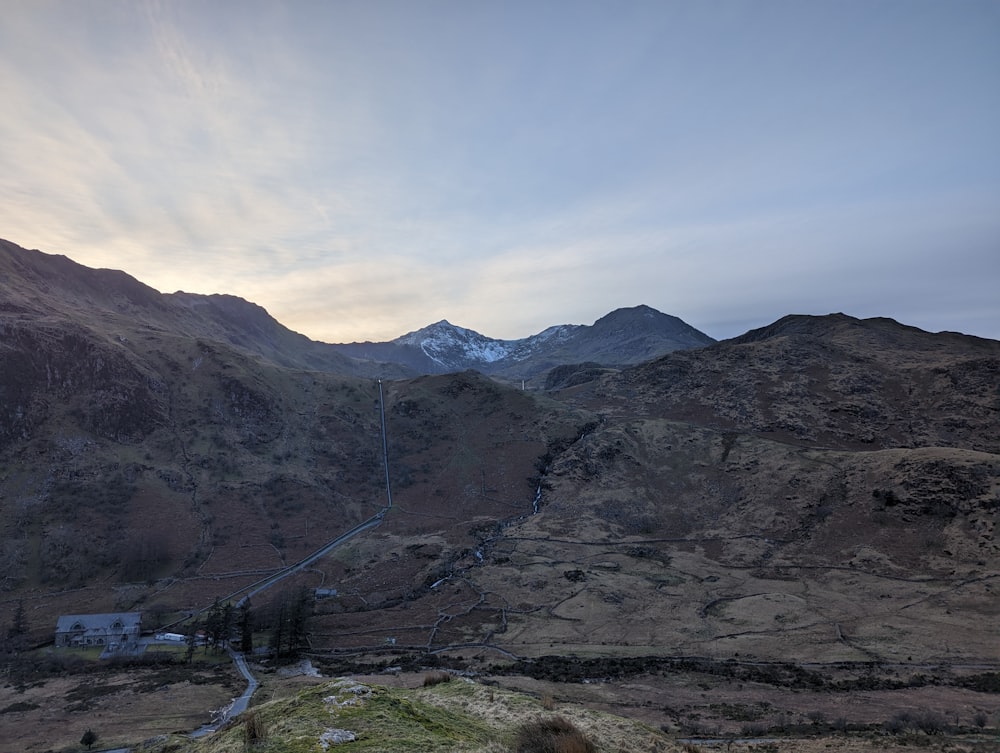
column 623, row 337
column 47, row 285
column 34, row 282
column 845, row 382
column 804, row 324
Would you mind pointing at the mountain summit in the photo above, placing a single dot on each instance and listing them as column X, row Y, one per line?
column 449, row 345
column 625, row 336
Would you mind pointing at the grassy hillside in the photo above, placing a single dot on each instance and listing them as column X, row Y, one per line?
column 453, row 716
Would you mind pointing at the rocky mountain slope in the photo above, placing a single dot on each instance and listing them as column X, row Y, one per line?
column 38, row 288
column 145, row 436
column 833, row 381
column 820, row 493
column 826, row 490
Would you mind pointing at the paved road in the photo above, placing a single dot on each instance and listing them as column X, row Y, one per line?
column 239, row 705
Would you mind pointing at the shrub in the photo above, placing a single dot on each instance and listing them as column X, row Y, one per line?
column 988, row 682
column 816, row 717
column 436, row 678
column 553, row 735
column 254, row 731
column 930, row 723
column 898, row 724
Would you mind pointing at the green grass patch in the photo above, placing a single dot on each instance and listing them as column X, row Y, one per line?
column 450, row 717
column 411, row 724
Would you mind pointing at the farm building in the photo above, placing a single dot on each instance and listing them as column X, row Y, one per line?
column 115, row 631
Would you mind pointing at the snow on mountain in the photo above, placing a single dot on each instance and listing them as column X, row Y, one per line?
column 525, row 348
column 457, row 347
column 628, row 335
column 448, row 345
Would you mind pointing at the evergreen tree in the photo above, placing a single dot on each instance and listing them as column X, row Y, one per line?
column 17, row 626
column 298, row 619
column 89, row 738
column 214, row 626
column 17, row 632
column 192, row 639
column 291, row 622
column 246, row 628
column 227, row 623
column 278, row 634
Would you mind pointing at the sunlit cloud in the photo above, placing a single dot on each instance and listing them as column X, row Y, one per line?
column 362, row 172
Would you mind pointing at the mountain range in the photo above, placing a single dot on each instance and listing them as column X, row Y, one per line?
column 800, row 519
column 39, row 284
column 625, row 336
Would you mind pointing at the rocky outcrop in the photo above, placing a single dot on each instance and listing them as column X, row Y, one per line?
column 834, row 382
column 95, row 379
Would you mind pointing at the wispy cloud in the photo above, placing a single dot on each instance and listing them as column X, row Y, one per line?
column 362, row 170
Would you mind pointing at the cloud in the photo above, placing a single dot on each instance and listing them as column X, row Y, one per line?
column 152, row 152
column 362, row 171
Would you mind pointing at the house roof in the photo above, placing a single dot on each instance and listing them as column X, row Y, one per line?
column 67, row 623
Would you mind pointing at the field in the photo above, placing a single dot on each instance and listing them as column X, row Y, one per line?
column 687, row 710
column 51, row 699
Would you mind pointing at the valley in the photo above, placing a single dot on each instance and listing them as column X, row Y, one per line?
column 788, row 536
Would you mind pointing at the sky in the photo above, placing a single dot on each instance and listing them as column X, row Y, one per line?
column 363, row 169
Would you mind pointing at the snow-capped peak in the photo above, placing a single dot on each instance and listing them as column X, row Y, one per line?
column 451, row 345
